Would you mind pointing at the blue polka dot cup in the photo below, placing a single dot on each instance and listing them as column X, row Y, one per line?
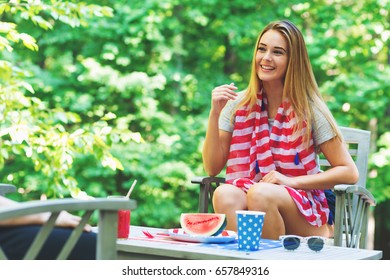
column 249, row 228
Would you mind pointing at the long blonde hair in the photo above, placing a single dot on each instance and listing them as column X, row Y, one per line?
column 300, row 86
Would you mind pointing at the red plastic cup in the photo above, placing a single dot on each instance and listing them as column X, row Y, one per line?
column 123, row 223
column 123, row 220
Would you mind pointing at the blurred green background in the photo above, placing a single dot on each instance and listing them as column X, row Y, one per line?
column 96, row 94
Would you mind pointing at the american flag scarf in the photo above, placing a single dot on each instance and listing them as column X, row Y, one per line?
column 256, row 149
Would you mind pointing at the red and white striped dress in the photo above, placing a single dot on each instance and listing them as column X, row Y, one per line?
column 256, row 149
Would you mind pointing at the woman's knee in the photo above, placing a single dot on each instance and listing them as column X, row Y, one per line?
column 228, row 196
column 263, row 195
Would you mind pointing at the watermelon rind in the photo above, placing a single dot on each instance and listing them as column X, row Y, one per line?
column 221, row 229
column 203, row 224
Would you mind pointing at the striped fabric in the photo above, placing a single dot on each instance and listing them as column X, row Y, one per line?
column 256, row 150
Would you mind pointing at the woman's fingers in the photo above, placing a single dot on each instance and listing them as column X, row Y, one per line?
column 271, row 177
column 221, row 95
column 275, row 177
column 225, row 92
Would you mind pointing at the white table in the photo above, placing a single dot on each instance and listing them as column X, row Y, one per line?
column 139, row 247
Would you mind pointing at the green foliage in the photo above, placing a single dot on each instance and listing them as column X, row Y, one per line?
column 49, row 137
column 379, row 169
column 126, row 85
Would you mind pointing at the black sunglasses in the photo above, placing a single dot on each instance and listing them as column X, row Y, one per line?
column 292, row 242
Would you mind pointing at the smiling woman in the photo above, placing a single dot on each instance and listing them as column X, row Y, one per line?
column 269, row 136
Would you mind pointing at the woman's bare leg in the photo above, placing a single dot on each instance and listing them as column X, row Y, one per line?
column 227, row 199
column 282, row 214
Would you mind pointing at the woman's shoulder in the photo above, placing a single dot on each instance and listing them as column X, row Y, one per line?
column 322, row 129
column 318, row 116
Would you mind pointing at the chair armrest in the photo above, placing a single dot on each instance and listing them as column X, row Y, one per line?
column 67, row 204
column 207, row 180
column 207, row 186
column 366, row 195
column 7, row 188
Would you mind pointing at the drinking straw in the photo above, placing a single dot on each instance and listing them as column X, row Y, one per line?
column 131, row 189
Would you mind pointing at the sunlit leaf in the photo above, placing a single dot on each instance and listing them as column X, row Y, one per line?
column 28, row 87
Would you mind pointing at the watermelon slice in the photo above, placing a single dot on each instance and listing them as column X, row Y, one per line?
column 204, row 224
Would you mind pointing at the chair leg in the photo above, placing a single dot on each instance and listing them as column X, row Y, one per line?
column 108, row 226
column 211, row 194
column 364, row 231
column 204, row 198
column 2, row 255
column 357, row 223
column 339, row 217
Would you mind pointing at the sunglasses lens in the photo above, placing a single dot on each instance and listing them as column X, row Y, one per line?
column 315, row 243
column 291, row 243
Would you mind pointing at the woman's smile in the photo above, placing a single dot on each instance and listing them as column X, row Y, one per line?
column 267, row 68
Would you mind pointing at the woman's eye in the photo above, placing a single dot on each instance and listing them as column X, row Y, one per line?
column 262, row 49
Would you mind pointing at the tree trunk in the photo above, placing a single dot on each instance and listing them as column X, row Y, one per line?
column 382, row 228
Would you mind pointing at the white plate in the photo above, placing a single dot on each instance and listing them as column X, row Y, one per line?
column 179, row 234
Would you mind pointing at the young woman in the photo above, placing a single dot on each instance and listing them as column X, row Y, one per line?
column 269, row 137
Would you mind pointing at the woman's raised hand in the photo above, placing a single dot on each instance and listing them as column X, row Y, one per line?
column 220, row 96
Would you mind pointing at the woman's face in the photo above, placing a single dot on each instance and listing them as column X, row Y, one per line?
column 272, row 57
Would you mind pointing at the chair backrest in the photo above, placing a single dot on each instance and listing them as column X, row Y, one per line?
column 107, row 223
column 352, row 203
column 358, row 144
